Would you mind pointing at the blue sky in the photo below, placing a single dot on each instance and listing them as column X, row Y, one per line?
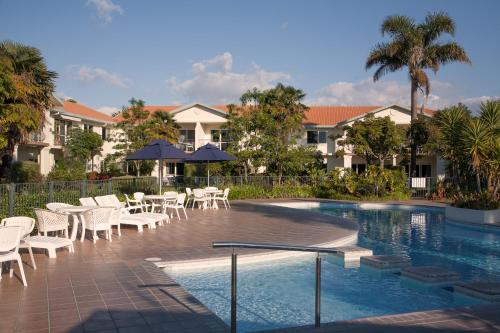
column 171, row 52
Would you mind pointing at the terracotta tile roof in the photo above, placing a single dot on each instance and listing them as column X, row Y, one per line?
column 327, row 115
column 85, row 111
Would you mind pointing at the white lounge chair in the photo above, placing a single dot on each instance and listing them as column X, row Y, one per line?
column 199, row 196
column 124, row 216
column 99, row 219
column 27, row 224
column 179, row 203
column 223, row 198
column 157, row 217
column 89, row 201
column 10, row 238
column 51, row 222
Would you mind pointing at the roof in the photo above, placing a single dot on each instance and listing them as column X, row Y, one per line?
column 84, row 111
column 316, row 115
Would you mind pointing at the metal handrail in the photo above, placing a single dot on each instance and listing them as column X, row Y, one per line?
column 279, row 247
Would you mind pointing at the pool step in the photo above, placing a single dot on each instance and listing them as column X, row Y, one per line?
column 352, row 253
column 489, row 291
column 386, row 263
column 431, row 275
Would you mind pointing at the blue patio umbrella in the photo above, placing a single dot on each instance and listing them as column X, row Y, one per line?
column 160, row 150
column 209, row 153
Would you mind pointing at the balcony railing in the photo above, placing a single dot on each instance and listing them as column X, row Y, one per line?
column 186, row 145
column 219, row 144
column 59, row 140
column 35, row 139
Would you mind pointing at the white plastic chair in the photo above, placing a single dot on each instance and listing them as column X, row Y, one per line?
column 51, row 222
column 99, row 219
column 189, row 195
column 199, row 196
column 88, row 201
column 223, row 198
column 54, row 206
column 134, row 204
column 179, row 203
column 27, row 224
column 10, row 238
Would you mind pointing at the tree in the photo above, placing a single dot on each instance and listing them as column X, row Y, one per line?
column 416, row 47
column 138, row 127
column 161, row 125
column 376, row 139
column 83, row 145
column 278, row 120
column 26, row 88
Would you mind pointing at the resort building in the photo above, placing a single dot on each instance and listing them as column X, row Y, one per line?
column 201, row 124
column 46, row 146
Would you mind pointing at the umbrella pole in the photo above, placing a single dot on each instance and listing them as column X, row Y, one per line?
column 208, row 171
column 160, row 173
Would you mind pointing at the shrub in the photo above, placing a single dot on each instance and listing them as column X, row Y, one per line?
column 24, row 172
column 482, row 201
column 72, row 171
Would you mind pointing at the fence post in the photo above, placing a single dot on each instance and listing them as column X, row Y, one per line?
column 83, row 188
column 12, row 191
column 51, row 192
column 110, row 186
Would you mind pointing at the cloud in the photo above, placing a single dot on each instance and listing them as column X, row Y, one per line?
column 108, row 110
column 213, row 81
column 384, row 92
column 474, row 102
column 88, row 74
column 105, row 9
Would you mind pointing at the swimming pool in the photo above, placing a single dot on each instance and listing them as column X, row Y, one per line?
column 281, row 293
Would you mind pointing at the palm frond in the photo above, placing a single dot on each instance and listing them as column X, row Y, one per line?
column 397, row 25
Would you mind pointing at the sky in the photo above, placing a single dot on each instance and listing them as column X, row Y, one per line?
column 180, row 52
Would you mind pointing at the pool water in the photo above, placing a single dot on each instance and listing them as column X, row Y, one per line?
column 280, row 293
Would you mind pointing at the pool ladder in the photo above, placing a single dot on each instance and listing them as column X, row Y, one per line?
column 278, row 247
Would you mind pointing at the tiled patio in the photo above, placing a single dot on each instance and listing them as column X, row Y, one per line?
column 109, row 287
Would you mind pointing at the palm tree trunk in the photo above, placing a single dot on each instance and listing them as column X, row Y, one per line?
column 478, row 181
column 413, row 146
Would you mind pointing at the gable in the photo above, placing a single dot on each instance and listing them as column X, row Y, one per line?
column 199, row 113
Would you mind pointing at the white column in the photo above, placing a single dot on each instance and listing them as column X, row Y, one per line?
column 45, row 160
column 198, row 135
column 440, row 167
column 15, row 153
column 347, row 161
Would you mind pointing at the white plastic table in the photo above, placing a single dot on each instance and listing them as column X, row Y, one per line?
column 77, row 213
column 160, row 198
column 212, row 194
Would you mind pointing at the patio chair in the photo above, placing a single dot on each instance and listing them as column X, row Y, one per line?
column 89, row 201
column 51, row 222
column 189, row 195
column 54, row 206
column 134, row 204
column 199, row 196
column 10, row 238
column 157, row 217
column 223, row 198
column 179, row 203
column 27, row 224
column 99, row 219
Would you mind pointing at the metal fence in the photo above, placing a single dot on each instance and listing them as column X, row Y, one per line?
column 21, row 198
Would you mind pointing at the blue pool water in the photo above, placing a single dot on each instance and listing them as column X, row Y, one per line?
column 281, row 293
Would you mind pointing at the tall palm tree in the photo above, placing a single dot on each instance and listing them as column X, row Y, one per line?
column 26, row 88
column 416, row 47
column 162, row 125
column 475, row 142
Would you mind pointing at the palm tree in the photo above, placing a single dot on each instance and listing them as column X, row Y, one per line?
column 26, row 88
column 162, row 126
column 475, row 142
column 416, row 47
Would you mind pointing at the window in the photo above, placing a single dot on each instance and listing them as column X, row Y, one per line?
column 104, row 133
column 423, row 170
column 315, row 137
column 220, row 135
column 88, row 128
column 61, row 130
column 359, row 168
column 186, row 135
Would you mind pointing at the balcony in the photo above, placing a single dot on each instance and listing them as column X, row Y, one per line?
column 186, row 145
column 59, row 140
column 35, row 139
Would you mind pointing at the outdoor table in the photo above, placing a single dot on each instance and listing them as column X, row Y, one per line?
column 160, row 198
column 77, row 213
column 212, row 194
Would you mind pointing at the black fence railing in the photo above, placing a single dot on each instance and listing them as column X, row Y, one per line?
column 21, row 198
